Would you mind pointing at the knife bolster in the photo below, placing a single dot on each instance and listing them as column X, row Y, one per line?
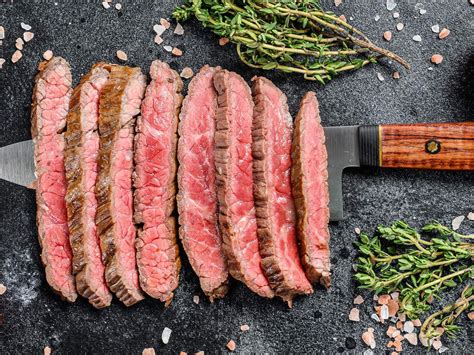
column 369, row 145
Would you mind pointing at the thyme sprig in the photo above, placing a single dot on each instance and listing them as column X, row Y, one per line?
column 397, row 258
column 443, row 321
column 287, row 35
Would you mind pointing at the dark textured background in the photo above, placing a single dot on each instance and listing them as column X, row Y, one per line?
column 84, row 33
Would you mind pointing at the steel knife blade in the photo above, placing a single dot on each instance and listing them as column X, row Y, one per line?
column 17, row 163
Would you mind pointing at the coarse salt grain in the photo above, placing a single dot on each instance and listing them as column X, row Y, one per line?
column 417, row 38
column 368, row 352
column 164, row 22
column 105, row 4
column 183, row 353
column 369, row 339
column 396, row 15
column 337, row 2
column 244, row 327
column 196, row 299
column 25, row 26
column 343, row 18
column 2, row 32
column 383, row 299
column 354, row 315
column 380, row 77
column 28, row 36
column 165, row 336
column 384, row 312
column 122, row 55
column 357, row 230
column 48, row 54
column 422, row 11
column 19, row 44
column 231, row 345
column 435, row 28
column 199, row 353
column 437, row 59
column 376, row 18
column 437, row 344
column 177, row 52
column 158, row 39
column 375, row 317
column 402, row 317
column 416, row 322
column 443, row 348
column 456, row 223
column 16, row 56
column 444, row 33
column 159, row 29
column 3, row 288
column 400, row 26
column 395, row 295
column 393, row 307
column 186, row 73
column 390, row 331
column 396, row 75
column 408, row 327
column 387, row 35
column 470, row 216
column 148, row 351
column 2, row 61
column 223, row 41
column 358, row 300
column 118, row 6
column 391, row 4
column 411, row 338
column 47, row 350
column 179, row 30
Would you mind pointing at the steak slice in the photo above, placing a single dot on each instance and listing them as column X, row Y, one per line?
column 271, row 132
column 120, row 101
column 51, row 97
column 309, row 177
column 233, row 160
column 155, row 185
column 197, row 199
column 82, row 148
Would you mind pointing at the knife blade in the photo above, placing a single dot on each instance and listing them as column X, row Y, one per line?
column 440, row 146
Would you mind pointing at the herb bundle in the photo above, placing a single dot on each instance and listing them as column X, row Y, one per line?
column 287, row 35
column 397, row 258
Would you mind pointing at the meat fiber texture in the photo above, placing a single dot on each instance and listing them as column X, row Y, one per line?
column 272, row 134
column 50, row 105
column 309, row 177
column 233, row 160
column 155, row 183
column 197, row 198
column 81, row 154
column 119, row 105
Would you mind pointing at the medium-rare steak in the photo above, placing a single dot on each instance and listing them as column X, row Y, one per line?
column 309, row 176
column 120, row 101
column 82, row 148
column 233, row 160
column 197, row 199
column 272, row 132
column 51, row 97
column 155, row 183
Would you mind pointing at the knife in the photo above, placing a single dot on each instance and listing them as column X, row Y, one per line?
column 435, row 146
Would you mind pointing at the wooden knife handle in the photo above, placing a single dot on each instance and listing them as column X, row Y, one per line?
column 435, row 146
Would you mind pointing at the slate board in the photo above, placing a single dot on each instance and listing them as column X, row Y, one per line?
column 84, row 33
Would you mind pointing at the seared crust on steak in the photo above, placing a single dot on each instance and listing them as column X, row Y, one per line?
column 197, row 199
column 233, row 159
column 82, row 146
column 119, row 105
column 271, row 147
column 309, row 177
column 155, row 183
column 51, row 97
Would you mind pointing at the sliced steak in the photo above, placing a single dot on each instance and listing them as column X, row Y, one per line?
column 233, row 160
column 197, row 198
column 120, row 101
column 155, row 183
column 272, row 132
column 81, row 153
column 51, row 97
column 309, row 176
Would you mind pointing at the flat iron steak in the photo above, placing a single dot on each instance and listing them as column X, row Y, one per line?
column 51, row 96
column 120, row 101
column 309, row 177
column 155, row 183
column 233, row 160
column 271, row 148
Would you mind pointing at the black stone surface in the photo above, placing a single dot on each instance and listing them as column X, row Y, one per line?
column 84, row 32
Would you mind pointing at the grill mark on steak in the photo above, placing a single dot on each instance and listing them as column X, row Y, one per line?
column 155, row 183
column 197, row 199
column 309, row 177
column 51, row 97
column 120, row 101
column 271, row 148
column 233, row 160
column 81, row 153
